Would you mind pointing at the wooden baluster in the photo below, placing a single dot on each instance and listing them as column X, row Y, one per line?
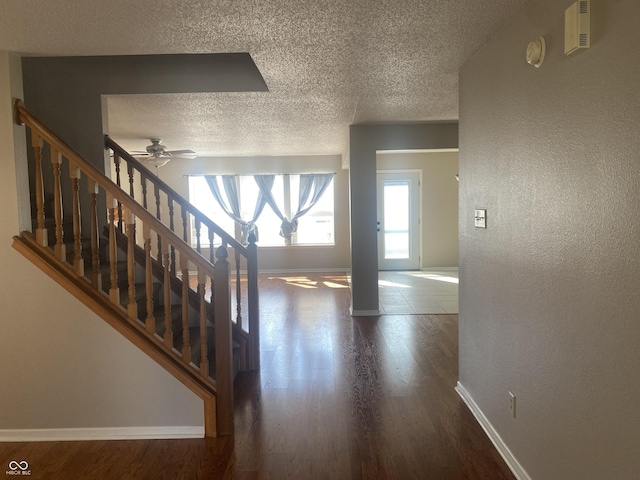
column 41, row 231
column 185, row 231
column 253, row 303
column 238, row 292
column 244, row 357
column 198, row 229
column 166, row 262
column 114, row 291
column 211, row 259
column 117, row 161
column 204, row 358
column 130, row 231
column 156, row 190
column 56, row 163
column 96, row 278
column 143, row 183
column 130, row 173
column 211, row 249
column 171, row 226
column 150, row 322
column 186, row 341
column 78, row 262
column 223, row 339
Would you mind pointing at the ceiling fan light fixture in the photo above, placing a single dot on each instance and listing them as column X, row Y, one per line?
column 157, row 161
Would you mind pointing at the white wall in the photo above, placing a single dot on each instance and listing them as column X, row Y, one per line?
column 439, row 201
column 62, row 366
column 549, row 292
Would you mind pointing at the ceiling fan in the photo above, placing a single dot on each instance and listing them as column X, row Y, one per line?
column 157, row 154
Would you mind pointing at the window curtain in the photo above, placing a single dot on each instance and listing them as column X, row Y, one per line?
column 312, row 186
column 233, row 208
column 265, row 182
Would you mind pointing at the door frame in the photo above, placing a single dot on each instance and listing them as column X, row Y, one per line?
column 419, row 201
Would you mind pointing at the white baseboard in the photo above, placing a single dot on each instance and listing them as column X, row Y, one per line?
column 511, row 461
column 444, row 269
column 364, row 313
column 118, row 433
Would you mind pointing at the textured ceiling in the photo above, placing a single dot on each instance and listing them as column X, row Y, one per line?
column 328, row 64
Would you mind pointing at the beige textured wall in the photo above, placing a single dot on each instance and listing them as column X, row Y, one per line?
column 549, row 302
column 439, row 201
column 310, row 258
column 62, row 366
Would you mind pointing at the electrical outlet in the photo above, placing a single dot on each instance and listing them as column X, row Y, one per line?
column 512, row 404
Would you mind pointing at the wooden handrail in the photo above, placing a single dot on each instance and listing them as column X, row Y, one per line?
column 25, row 118
column 176, row 197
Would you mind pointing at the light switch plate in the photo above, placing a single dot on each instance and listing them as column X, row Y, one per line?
column 481, row 218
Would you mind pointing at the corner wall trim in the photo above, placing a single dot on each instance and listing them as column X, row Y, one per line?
column 511, row 461
column 117, row 433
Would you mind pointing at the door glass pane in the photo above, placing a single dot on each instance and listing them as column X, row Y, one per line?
column 396, row 219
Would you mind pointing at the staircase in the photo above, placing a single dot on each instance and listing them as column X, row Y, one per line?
column 99, row 239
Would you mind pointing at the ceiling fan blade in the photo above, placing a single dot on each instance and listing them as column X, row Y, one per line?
column 181, row 152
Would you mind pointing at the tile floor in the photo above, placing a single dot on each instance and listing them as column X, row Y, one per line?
column 426, row 291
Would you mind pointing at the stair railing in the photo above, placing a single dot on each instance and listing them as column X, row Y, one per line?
column 216, row 388
column 166, row 200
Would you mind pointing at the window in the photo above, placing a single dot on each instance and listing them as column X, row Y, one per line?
column 200, row 196
column 316, row 227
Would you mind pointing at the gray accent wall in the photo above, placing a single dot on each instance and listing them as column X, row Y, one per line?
column 549, row 292
column 65, row 93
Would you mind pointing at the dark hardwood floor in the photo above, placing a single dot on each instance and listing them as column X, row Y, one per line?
column 336, row 398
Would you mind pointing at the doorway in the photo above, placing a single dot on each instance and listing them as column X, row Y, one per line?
column 398, row 208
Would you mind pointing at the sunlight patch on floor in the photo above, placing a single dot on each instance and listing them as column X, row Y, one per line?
column 419, row 292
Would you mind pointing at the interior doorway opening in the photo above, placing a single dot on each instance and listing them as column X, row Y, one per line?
column 435, row 230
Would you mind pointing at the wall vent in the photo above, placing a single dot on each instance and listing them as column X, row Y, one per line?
column 577, row 26
column 584, row 6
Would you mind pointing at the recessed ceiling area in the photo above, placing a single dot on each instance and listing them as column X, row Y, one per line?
column 327, row 64
column 229, row 124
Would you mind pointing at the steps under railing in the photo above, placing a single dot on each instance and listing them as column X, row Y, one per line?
column 187, row 330
column 169, row 206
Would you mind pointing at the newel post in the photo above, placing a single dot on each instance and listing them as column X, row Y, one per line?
column 253, row 304
column 223, row 338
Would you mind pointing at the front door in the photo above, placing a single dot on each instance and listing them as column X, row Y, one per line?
column 398, row 221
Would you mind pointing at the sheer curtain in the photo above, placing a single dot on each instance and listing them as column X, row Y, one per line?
column 233, row 208
column 312, row 186
column 265, row 182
